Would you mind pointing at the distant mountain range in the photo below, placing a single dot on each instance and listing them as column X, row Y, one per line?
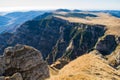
column 9, row 22
column 4, row 20
column 115, row 13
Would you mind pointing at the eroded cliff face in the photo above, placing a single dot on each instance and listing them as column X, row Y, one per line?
column 57, row 38
column 76, row 40
column 23, row 63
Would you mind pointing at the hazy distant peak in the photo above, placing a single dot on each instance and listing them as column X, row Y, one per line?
column 63, row 10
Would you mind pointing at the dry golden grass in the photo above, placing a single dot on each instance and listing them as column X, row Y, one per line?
column 114, row 57
column 53, row 71
column 87, row 67
column 90, row 66
column 112, row 23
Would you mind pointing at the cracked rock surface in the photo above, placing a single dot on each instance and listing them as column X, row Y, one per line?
column 23, row 62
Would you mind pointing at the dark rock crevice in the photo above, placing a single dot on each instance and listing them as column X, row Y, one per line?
column 77, row 40
column 107, row 45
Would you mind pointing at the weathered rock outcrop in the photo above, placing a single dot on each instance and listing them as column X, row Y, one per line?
column 26, row 61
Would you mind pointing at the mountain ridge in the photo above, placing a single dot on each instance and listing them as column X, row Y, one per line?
column 70, row 45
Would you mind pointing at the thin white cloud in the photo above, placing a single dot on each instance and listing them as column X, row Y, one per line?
column 8, row 5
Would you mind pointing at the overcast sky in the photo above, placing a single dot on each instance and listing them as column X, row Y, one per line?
column 10, row 5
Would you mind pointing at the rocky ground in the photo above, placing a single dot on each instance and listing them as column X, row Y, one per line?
column 22, row 63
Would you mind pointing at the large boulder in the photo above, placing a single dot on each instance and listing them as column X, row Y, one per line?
column 24, row 60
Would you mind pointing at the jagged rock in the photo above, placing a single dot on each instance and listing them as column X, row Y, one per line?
column 25, row 60
column 16, row 76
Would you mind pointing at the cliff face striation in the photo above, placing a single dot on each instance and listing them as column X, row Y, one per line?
column 22, row 63
column 55, row 37
column 58, row 38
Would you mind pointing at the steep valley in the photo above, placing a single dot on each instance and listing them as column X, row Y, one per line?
column 76, row 46
column 55, row 37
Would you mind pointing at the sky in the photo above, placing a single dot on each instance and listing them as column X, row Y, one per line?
column 13, row 5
